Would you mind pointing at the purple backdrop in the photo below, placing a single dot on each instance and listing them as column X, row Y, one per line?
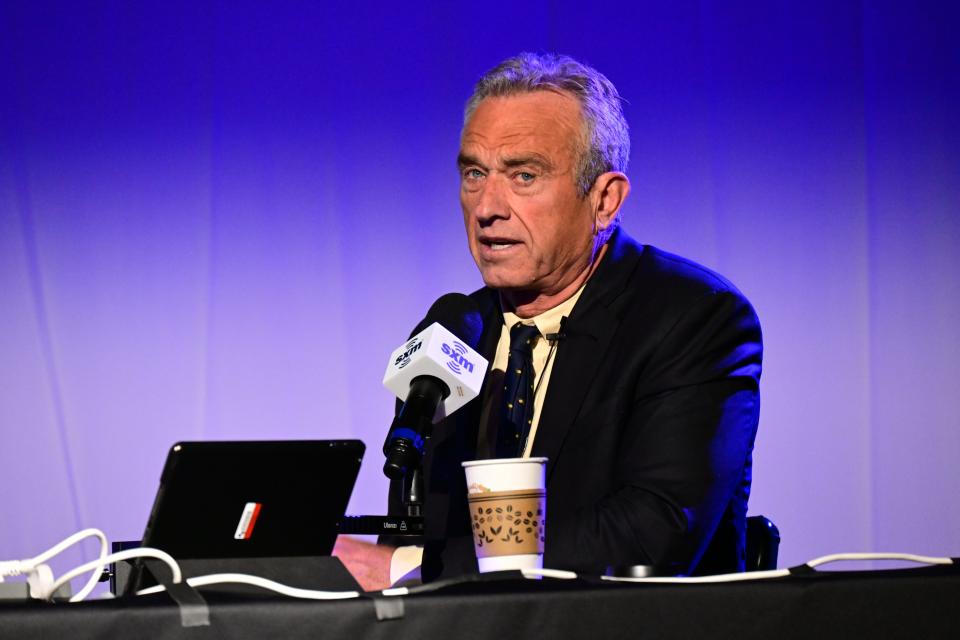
column 217, row 222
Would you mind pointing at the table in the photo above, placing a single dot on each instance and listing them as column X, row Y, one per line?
column 905, row 603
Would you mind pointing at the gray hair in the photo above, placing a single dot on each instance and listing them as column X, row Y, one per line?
column 606, row 144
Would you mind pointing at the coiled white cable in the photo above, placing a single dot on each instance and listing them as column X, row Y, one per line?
column 97, row 566
column 31, row 565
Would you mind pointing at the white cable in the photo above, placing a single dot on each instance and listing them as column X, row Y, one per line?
column 31, row 565
column 559, row 574
column 59, row 548
column 39, row 579
column 723, row 577
column 142, row 552
column 34, row 566
column 239, row 578
column 98, row 570
column 10, row 568
column 780, row 573
column 910, row 557
column 263, row 583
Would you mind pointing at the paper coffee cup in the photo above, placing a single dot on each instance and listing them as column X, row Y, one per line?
column 508, row 508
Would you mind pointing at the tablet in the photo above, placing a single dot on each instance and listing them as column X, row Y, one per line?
column 253, row 498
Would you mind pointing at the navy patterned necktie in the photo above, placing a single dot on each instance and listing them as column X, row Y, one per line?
column 516, row 411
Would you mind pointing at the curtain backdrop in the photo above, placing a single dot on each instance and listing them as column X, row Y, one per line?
column 218, row 219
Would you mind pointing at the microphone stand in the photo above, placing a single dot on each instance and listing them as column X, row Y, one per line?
column 411, row 524
column 403, row 449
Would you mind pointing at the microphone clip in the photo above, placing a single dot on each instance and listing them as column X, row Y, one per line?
column 560, row 334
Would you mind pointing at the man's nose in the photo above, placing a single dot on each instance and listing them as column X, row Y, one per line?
column 491, row 200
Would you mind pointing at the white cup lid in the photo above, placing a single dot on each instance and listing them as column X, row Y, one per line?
column 499, row 461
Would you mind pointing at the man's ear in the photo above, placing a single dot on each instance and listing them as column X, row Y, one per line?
column 609, row 191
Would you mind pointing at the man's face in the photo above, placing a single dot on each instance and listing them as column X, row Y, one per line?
column 527, row 227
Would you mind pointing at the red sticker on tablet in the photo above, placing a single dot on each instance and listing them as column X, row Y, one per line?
column 248, row 519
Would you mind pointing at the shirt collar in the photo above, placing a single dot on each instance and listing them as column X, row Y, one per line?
column 548, row 321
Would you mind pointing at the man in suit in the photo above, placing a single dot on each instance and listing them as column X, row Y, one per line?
column 645, row 366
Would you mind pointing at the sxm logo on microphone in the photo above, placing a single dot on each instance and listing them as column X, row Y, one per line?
column 456, row 357
column 404, row 358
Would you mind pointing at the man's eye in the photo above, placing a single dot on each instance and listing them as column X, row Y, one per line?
column 473, row 174
column 526, row 177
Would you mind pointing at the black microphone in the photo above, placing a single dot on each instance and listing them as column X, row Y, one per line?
column 435, row 372
column 560, row 334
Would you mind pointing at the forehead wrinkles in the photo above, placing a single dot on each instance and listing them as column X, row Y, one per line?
column 506, row 128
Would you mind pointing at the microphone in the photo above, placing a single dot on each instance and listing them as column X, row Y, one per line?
column 560, row 334
column 434, row 373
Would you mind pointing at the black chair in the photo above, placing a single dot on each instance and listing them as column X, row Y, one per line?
column 763, row 543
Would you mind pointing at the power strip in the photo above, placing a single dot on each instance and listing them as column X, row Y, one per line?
column 38, row 581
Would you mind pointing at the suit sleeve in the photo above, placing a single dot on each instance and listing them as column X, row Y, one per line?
column 683, row 457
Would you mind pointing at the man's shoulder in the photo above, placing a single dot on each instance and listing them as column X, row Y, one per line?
column 674, row 301
column 680, row 271
column 655, row 274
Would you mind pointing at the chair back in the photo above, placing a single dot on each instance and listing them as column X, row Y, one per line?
column 763, row 544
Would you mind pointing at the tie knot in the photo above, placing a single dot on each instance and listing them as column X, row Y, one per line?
column 522, row 337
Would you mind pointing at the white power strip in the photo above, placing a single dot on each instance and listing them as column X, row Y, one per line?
column 39, row 580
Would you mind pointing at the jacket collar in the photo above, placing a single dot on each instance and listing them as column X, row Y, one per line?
column 588, row 337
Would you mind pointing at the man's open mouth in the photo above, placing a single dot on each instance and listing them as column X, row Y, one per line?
column 498, row 244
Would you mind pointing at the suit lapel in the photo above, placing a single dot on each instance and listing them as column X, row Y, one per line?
column 589, row 334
